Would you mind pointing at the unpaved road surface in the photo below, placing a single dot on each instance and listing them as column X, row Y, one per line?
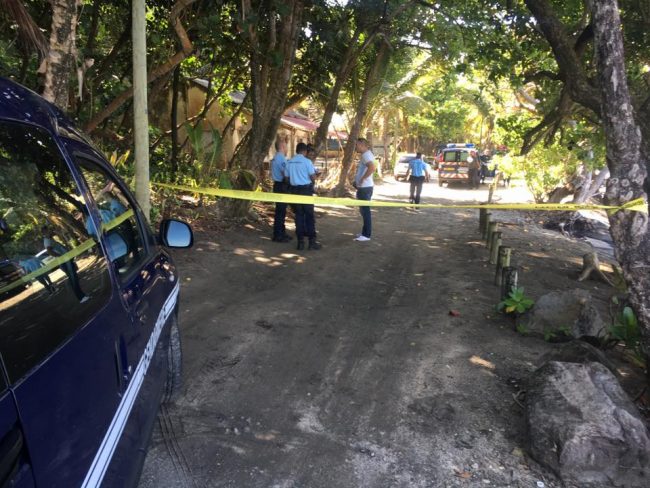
column 343, row 367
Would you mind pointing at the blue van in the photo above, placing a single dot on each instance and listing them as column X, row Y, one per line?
column 89, row 340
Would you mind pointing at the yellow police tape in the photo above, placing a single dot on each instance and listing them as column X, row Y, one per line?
column 638, row 205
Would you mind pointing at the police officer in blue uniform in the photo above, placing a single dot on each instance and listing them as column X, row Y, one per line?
column 301, row 174
column 278, row 165
column 419, row 171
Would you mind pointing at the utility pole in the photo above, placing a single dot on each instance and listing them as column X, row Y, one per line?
column 140, row 112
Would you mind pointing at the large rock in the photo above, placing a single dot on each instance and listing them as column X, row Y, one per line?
column 578, row 351
column 583, row 426
column 564, row 313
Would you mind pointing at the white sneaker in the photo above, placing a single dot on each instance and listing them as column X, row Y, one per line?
column 362, row 239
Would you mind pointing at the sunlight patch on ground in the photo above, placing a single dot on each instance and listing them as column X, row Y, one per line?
column 242, row 251
column 484, row 363
column 535, row 254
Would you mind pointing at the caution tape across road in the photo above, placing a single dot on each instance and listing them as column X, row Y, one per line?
column 638, row 205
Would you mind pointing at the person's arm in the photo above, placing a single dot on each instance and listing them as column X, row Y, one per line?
column 49, row 247
column 370, row 170
column 312, row 172
column 285, row 172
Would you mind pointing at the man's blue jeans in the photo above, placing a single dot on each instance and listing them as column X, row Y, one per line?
column 365, row 194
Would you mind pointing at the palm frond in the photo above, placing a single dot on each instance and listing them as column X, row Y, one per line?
column 28, row 30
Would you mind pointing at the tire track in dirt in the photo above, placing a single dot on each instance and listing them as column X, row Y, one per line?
column 174, row 449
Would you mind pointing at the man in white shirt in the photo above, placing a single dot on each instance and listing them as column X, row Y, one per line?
column 364, row 183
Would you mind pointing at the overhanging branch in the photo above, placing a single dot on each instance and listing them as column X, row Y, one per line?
column 163, row 69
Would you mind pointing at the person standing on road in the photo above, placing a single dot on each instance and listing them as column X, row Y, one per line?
column 301, row 174
column 278, row 165
column 364, row 183
column 419, row 172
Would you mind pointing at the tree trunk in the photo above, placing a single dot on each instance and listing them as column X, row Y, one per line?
column 62, row 53
column 585, row 184
column 372, row 79
column 587, row 192
column 385, row 135
column 627, row 160
column 174, row 120
column 140, row 117
column 560, row 193
column 269, row 87
column 350, row 58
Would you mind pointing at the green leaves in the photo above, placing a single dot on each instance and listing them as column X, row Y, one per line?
column 516, row 302
column 625, row 329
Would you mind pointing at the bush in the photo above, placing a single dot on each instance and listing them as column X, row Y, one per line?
column 516, row 302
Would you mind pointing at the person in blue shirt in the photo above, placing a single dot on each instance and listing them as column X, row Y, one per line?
column 419, row 173
column 301, row 174
column 278, row 165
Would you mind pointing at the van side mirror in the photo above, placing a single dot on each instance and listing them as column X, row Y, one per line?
column 174, row 233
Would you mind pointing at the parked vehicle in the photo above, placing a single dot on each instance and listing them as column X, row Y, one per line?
column 89, row 347
column 333, row 148
column 453, row 164
column 402, row 166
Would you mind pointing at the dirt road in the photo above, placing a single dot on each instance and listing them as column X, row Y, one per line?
column 343, row 367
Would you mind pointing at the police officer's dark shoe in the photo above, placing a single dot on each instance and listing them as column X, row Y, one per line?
column 301, row 245
column 283, row 238
column 314, row 246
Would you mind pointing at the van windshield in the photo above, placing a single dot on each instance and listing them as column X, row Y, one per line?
column 455, row 156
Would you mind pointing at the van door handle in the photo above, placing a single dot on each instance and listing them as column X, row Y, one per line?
column 121, row 361
column 10, row 448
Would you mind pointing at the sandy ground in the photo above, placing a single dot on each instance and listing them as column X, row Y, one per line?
column 344, row 368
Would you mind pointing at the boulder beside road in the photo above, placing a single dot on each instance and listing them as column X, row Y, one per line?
column 571, row 313
column 582, row 425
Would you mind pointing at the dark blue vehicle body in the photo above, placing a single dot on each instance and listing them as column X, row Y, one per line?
column 83, row 414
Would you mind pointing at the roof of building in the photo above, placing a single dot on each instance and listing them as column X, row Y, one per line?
column 291, row 119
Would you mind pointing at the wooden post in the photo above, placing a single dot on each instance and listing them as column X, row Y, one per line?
column 503, row 261
column 491, row 193
column 508, row 281
column 492, row 228
column 140, row 112
column 482, row 214
column 494, row 247
column 488, row 217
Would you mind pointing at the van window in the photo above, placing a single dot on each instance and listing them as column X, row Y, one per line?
column 449, row 156
column 455, row 156
column 123, row 235
column 53, row 274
